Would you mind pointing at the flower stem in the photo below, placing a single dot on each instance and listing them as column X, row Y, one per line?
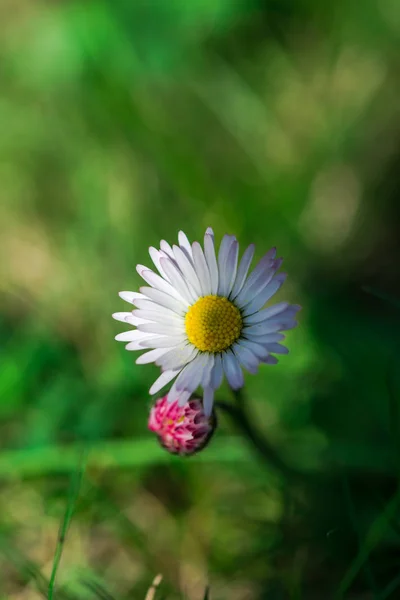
column 266, row 451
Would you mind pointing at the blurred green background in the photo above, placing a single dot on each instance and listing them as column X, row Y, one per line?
column 123, row 122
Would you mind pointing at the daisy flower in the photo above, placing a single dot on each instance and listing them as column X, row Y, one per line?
column 202, row 316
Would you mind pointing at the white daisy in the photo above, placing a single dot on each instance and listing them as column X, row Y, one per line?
column 202, row 316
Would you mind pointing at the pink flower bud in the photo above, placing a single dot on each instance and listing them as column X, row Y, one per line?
column 183, row 429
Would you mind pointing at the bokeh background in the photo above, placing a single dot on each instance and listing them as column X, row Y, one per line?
column 122, row 123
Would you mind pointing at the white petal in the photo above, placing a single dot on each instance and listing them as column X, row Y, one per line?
column 260, row 328
column 289, row 313
column 163, row 341
column 256, row 348
column 151, row 356
column 271, row 360
column 217, row 372
column 137, row 344
column 227, row 265
column 130, row 296
column 278, row 349
column 185, row 244
column 129, row 336
column 267, row 313
column 154, row 307
column 209, row 231
column 191, row 375
column 121, row 316
column 166, row 300
column 264, row 340
column 140, row 268
column 258, row 286
column 201, row 267
column 288, row 324
column 257, row 281
column 178, row 357
column 134, row 320
column 246, row 358
column 208, row 400
column 208, row 367
column 209, row 253
column 184, row 397
column 232, row 370
column 265, row 295
column 165, row 247
column 155, row 256
column 187, row 269
column 224, row 248
column 159, row 283
column 231, row 266
column 163, row 328
column 264, row 262
column 163, row 316
column 271, row 253
column 242, row 271
column 164, row 378
column 178, row 281
column 173, row 393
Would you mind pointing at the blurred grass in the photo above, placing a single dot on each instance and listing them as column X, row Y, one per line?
column 121, row 124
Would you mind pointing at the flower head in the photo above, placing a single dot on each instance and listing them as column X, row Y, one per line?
column 181, row 429
column 202, row 317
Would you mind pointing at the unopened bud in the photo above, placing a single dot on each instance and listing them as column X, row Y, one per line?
column 183, row 429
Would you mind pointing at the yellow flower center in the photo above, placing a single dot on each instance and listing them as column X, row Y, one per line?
column 213, row 324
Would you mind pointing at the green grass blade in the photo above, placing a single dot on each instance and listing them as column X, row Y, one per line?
column 373, row 537
column 75, row 485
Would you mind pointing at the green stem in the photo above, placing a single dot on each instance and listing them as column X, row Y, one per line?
column 266, row 451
